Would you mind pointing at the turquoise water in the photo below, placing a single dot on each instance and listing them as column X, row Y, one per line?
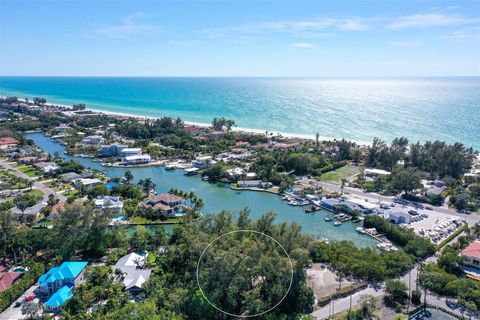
column 359, row 109
column 218, row 196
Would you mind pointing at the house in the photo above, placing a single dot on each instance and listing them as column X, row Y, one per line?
column 191, row 130
column 58, row 299
column 134, row 276
column 112, row 150
column 67, row 274
column 34, row 210
column 434, row 191
column 471, row 255
column 28, row 160
column 371, row 172
column 7, row 279
column 62, row 127
column 8, row 142
column 333, row 204
column 58, row 208
column 93, row 140
column 126, row 152
column 168, row 204
column 137, row 159
column 46, row 166
column 69, row 177
column 249, row 183
column 399, row 217
column 202, row 162
column 85, row 182
column 286, row 146
column 113, row 204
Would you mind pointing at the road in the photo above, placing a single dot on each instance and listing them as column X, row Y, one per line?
column 15, row 313
column 46, row 191
column 410, row 279
column 471, row 219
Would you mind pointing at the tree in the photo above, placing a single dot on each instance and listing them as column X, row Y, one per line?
column 128, row 176
column 416, row 296
column 30, row 309
column 406, row 180
column 396, row 291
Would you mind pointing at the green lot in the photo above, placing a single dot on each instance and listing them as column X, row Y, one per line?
column 341, row 173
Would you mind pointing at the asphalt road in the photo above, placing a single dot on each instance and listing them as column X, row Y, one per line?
column 46, row 191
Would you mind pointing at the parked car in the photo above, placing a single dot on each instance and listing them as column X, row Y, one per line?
column 413, row 212
column 20, row 302
column 428, row 208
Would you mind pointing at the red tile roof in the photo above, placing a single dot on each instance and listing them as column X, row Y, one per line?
column 8, row 278
column 59, row 207
column 8, row 140
column 473, row 250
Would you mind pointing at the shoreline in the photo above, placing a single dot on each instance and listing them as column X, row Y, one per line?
column 206, row 125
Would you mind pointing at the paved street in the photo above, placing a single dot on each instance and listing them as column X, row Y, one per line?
column 47, row 191
column 15, row 313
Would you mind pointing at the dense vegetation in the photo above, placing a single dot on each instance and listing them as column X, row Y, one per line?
column 418, row 246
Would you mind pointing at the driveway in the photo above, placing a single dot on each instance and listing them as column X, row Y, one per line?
column 12, row 313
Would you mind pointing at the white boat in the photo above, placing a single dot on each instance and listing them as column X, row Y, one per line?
column 293, row 203
column 337, row 223
column 328, row 218
column 359, row 230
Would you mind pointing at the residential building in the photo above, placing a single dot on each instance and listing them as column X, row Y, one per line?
column 46, row 166
column 399, row 217
column 56, row 285
column 167, row 203
column 471, row 255
column 134, row 275
column 249, row 183
column 137, row 159
column 202, row 162
column 93, row 140
column 7, row 279
column 69, row 177
column 126, row 152
column 112, row 150
column 85, row 182
column 8, row 142
column 113, row 204
column 34, row 210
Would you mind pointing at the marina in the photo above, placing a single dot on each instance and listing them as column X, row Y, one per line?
column 218, row 196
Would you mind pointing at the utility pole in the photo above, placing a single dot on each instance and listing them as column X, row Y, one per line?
column 409, row 290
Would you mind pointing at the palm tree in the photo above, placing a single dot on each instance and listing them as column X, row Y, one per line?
column 128, row 176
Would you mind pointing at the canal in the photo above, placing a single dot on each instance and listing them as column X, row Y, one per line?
column 218, row 196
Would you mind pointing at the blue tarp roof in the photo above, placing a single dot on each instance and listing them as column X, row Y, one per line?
column 60, row 297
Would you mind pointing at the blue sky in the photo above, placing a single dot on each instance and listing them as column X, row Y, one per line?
column 240, row 38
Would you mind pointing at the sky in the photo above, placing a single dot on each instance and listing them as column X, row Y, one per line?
column 354, row 38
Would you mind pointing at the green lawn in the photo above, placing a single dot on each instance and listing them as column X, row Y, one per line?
column 29, row 171
column 141, row 220
column 35, row 192
column 340, row 173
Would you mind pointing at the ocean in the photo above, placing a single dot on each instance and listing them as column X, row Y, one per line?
column 355, row 109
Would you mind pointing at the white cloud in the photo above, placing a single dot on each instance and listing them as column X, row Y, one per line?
column 431, row 19
column 303, row 45
column 352, row 25
column 128, row 26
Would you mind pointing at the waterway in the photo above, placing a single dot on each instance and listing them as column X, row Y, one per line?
column 218, row 196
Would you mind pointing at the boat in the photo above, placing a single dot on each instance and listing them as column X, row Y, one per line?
column 337, row 223
column 328, row 218
column 191, row 171
column 360, row 230
column 313, row 208
column 293, row 203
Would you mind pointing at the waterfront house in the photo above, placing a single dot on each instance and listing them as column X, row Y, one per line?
column 137, row 159
column 126, row 152
column 399, row 217
column 202, row 162
column 434, row 191
column 69, row 177
column 56, row 285
column 134, row 275
column 30, row 160
column 46, row 166
column 249, row 183
column 7, row 279
column 113, row 204
column 112, row 150
column 94, row 140
column 371, row 172
column 85, row 182
column 167, row 204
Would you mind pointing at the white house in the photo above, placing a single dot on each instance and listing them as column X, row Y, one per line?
column 127, row 152
column 202, row 162
column 93, row 140
column 137, row 159
column 134, row 276
column 113, row 204
column 87, row 182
